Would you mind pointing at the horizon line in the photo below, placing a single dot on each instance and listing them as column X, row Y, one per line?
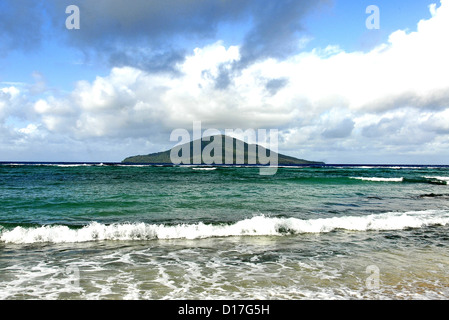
column 212, row 165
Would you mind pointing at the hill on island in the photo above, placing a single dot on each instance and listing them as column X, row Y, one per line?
column 240, row 153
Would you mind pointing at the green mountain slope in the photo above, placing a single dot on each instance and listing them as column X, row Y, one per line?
column 240, row 153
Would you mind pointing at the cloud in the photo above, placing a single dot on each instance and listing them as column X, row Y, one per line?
column 130, row 102
column 401, row 127
column 223, row 79
column 154, row 35
column 382, row 128
column 155, row 61
column 437, row 122
column 10, row 99
column 273, row 26
column 21, row 24
column 276, row 30
column 342, row 129
column 274, row 85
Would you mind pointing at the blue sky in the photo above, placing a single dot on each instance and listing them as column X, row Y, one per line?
column 343, row 22
column 134, row 71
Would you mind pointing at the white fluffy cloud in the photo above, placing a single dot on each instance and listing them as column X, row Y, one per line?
column 391, row 101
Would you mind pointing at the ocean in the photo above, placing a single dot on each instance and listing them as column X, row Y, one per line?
column 111, row 231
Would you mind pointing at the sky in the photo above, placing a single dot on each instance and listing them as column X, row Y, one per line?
column 336, row 89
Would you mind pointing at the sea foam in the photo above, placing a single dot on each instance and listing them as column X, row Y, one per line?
column 379, row 179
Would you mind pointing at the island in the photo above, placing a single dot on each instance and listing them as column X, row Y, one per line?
column 240, row 153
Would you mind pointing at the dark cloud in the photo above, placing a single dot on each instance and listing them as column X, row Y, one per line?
column 152, row 34
column 275, row 32
column 276, row 29
column 21, row 23
column 150, row 21
column 152, row 62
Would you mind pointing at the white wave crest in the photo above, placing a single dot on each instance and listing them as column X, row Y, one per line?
column 256, row 226
column 379, row 179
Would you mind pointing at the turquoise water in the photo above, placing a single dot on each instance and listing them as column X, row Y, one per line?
column 74, row 231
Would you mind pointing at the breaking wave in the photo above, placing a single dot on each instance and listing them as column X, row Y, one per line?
column 429, row 180
column 255, row 226
column 379, row 179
